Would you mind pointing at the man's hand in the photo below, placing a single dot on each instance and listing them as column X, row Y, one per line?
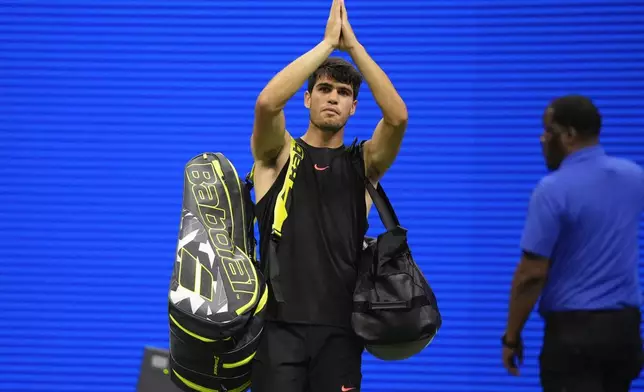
column 527, row 284
column 348, row 38
column 334, row 24
column 512, row 355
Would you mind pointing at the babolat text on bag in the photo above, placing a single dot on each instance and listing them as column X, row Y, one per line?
column 217, row 292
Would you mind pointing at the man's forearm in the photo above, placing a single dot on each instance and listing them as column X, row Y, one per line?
column 524, row 295
column 384, row 93
column 289, row 80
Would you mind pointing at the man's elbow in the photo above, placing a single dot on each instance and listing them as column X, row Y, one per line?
column 398, row 119
column 531, row 275
column 266, row 104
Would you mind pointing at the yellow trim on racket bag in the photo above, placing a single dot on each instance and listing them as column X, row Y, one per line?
column 199, row 388
column 243, row 362
column 283, row 201
column 262, row 301
column 194, row 335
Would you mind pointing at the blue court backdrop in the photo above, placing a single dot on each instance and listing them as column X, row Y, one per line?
column 103, row 102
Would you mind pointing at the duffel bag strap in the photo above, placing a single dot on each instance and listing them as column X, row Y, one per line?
column 378, row 196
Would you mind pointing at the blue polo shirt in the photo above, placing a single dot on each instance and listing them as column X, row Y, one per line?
column 585, row 218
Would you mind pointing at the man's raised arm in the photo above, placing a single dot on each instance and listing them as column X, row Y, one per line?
column 381, row 151
column 269, row 133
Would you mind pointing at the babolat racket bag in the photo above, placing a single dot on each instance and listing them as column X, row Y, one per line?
column 217, row 292
column 395, row 310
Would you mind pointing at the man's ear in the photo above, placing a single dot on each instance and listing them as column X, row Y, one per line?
column 353, row 108
column 307, row 99
column 570, row 135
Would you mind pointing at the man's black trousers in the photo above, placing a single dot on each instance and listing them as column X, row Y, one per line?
column 591, row 351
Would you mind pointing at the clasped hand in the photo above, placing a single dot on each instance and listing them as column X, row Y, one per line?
column 339, row 33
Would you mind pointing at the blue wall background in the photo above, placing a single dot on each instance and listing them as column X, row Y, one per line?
column 103, row 102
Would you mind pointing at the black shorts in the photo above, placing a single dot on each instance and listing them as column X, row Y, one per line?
column 591, row 351
column 307, row 358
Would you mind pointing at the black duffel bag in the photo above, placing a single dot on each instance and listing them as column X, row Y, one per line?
column 395, row 310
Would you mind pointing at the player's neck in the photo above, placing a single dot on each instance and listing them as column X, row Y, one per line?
column 315, row 137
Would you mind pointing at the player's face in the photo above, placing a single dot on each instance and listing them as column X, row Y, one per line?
column 330, row 104
column 552, row 146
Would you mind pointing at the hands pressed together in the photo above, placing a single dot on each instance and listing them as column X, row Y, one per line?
column 339, row 33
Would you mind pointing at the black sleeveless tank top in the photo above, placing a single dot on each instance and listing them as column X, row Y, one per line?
column 321, row 238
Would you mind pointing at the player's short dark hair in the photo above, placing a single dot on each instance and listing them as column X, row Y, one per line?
column 339, row 70
column 579, row 112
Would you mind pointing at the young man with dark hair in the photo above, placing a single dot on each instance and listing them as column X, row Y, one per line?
column 580, row 255
column 308, row 343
